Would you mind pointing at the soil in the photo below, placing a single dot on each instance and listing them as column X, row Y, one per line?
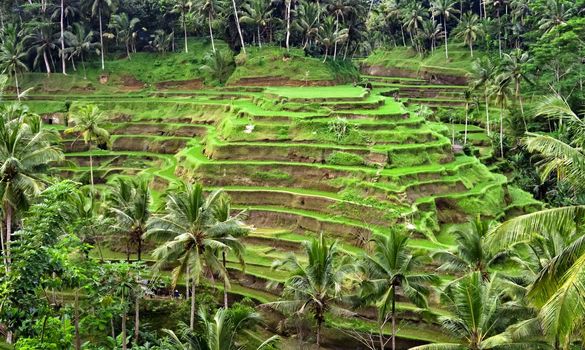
column 192, row 84
column 280, row 81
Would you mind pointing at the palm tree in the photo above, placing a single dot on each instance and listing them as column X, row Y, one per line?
column 223, row 331
column 475, row 306
column 514, row 65
column 233, row 226
column 339, row 9
column 130, row 202
column 328, row 36
column 41, row 43
column 219, row 65
column 12, row 54
column 413, row 19
column 66, row 10
column 257, row 13
column 307, row 21
column 316, row 286
column 472, row 252
column 431, row 30
column 444, row 8
column 238, row 26
column 26, row 149
column 162, row 41
column 469, row 29
column 192, row 236
column 501, row 93
column 210, row 9
column 101, row 8
column 482, row 72
column 88, row 121
column 556, row 12
column 391, row 267
column 79, row 42
column 557, row 289
column 183, row 8
column 124, row 28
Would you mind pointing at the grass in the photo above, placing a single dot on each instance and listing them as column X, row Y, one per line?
column 321, row 92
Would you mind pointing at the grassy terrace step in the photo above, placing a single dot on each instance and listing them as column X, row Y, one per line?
column 158, row 129
column 340, row 93
column 394, row 80
column 377, row 154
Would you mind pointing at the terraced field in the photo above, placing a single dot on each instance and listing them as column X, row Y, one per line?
column 344, row 160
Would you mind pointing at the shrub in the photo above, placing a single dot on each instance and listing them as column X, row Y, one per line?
column 344, row 158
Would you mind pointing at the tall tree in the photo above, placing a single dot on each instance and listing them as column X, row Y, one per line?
column 101, row 8
column 65, row 11
column 88, row 123
column 125, row 29
column 328, row 36
column 238, row 26
column 554, row 14
column 307, row 21
column 257, row 13
column 130, row 202
column 210, row 9
column 391, row 267
column 26, row 149
column 183, row 8
column 192, row 236
column 315, row 286
column 444, row 8
column 515, row 66
column 79, row 43
column 12, row 55
column 468, row 29
column 501, row 92
column 413, row 18
column 41, row 44
column 482, row 73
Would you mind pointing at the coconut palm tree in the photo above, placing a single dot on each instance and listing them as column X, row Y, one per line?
column 66, row 11
column 87, row 122
column 392, row 268
column 515, row 66
column 413, row 19
column 124, row 28
column 12, row 54
column 183, row 8
column 26, row 149
column 101, row 8
column 475, row 307
column 340, row 9
column 238, row 26
column 472, row 252
column 209, row 9
column 315, row 287
column 501, row 92
column 554, row 14
column 557, row 289
column 223, row 331
column 192, row 236
column 432, row 31
column 41, row 43
column 307, row 21
column 79, row 42
column 328, row 36
column 219, row 65
column 444, row 8
column 162, row 41
column 482, row 72
column 469, row 29
column 233, row 225
column 259, row 14
column 130, row 202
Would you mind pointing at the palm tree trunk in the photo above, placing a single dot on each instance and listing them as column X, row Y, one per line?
column 288, row 5
column 192, row 318
column 326, row 54
column 519, row 97
column 403, row 39
column 466, row 120
column 211, row 33
column 446, row 38
column 471, row 48
column 124, row 345
column 2, row 248
column 136, row 320
column 319, row 324
column 16, row 83
column 259, row 41
column 8, row 212
column 63, row 39
column 487, row 112
column 47, row 65
column 225, row 291
column 502, row 130
column 101, row 38
column 139, row 249
column 238, row 26
column 337, row 33
column 393, row 318
column 83, row 65
column 185, row 34
column 76, row 320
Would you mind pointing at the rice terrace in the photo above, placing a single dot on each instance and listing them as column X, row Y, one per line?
column 256, row 174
